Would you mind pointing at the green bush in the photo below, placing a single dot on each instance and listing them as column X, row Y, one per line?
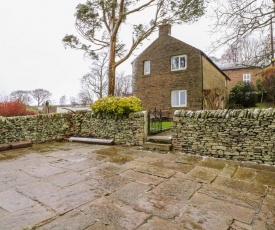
column 117, row 106
column 243, row 94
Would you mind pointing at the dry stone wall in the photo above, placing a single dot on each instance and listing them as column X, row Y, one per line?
column 42, row 128
column 247, row 135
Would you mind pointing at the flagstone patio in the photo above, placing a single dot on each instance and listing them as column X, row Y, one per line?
column 75, row 186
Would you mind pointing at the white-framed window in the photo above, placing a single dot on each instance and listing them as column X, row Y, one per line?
column 247, row 77
column 179, row 98
column 178, row 62
column 146, row 67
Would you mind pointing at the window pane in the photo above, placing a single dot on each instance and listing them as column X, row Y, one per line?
column 182, row 98
column 175, row 98
column 182, row 62
column 147, row 67
column 246, row 77
column 175, row 62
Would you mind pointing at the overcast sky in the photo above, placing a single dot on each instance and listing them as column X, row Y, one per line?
column 32, row 54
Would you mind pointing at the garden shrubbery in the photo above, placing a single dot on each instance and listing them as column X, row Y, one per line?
column 116, row 106
column 243, row 94
column 15, row 108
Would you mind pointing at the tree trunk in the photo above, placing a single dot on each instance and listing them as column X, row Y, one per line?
column 112, row 67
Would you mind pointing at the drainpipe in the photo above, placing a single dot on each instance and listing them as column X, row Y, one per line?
column 203, row 82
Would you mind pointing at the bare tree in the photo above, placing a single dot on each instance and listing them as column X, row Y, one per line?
column 40, row 95
column 62, row 100
column 236, row 20
column 85, row 97
column 94, row 84
column 21, row 95
column 100, row 23
column 123, row 84
column 248, row 52
column 73, row 101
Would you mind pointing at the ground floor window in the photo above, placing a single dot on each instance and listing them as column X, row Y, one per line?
column 179, row 98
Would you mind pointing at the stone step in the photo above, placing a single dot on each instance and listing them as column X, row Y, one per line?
column 4, row 147
column 160, row 139
column 96, row 141
column 21, row 144
column 157, row 146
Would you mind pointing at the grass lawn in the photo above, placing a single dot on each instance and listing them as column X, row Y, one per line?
column 167, row 124
column 264, row 105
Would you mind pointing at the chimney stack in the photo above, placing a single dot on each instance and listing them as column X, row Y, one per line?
column 164, row 29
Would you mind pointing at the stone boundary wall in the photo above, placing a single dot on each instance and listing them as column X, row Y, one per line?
column 57, row 126
column 247, row 135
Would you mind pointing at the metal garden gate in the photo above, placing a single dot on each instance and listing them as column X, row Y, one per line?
column 154, row 121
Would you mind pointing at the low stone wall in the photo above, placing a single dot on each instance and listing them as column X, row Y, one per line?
column 247, row 135
column 41, row 128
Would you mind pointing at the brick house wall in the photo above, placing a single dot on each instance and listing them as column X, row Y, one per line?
column 155, row 89
column 236, row 75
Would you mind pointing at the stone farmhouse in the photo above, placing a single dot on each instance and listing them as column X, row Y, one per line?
column 172, row 75
column 241, row 74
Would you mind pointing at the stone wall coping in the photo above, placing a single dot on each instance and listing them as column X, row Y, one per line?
column 227, row 113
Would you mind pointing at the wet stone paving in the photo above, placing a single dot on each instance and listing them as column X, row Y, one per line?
column 73, row 186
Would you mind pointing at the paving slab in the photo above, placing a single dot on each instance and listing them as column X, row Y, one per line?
column 159, row 224
column 159, row 206
column 266, row 217
column 177, row 189
column 155, row 171
column 37, row 189
column 12, row 201
column 228, row 171
column 28, row 217
column 13, row 179
column 202, row 174
column 130, row 192
column 100, row 226
column 81, row 166
column 237, row 225
column 96, row 174
column 43, row 171
column 179, row 167
column 210, row 213
column 265, row 178
column 195, row 218
column 112, row 184
column 213, row 163
column 241, row 186
column 73, row 220
column 66, row 179
column 233, row 196
column 111, row 212
column 142, row 177
column 188, row 159
column 69, row 198
column 245, row 174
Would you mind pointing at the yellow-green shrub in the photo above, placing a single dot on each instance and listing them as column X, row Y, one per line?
column 118, row 106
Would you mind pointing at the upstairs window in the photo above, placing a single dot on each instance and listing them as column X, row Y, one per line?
column 146, row 67
column 179, row 98
column 178, row 62
column 247, row 78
